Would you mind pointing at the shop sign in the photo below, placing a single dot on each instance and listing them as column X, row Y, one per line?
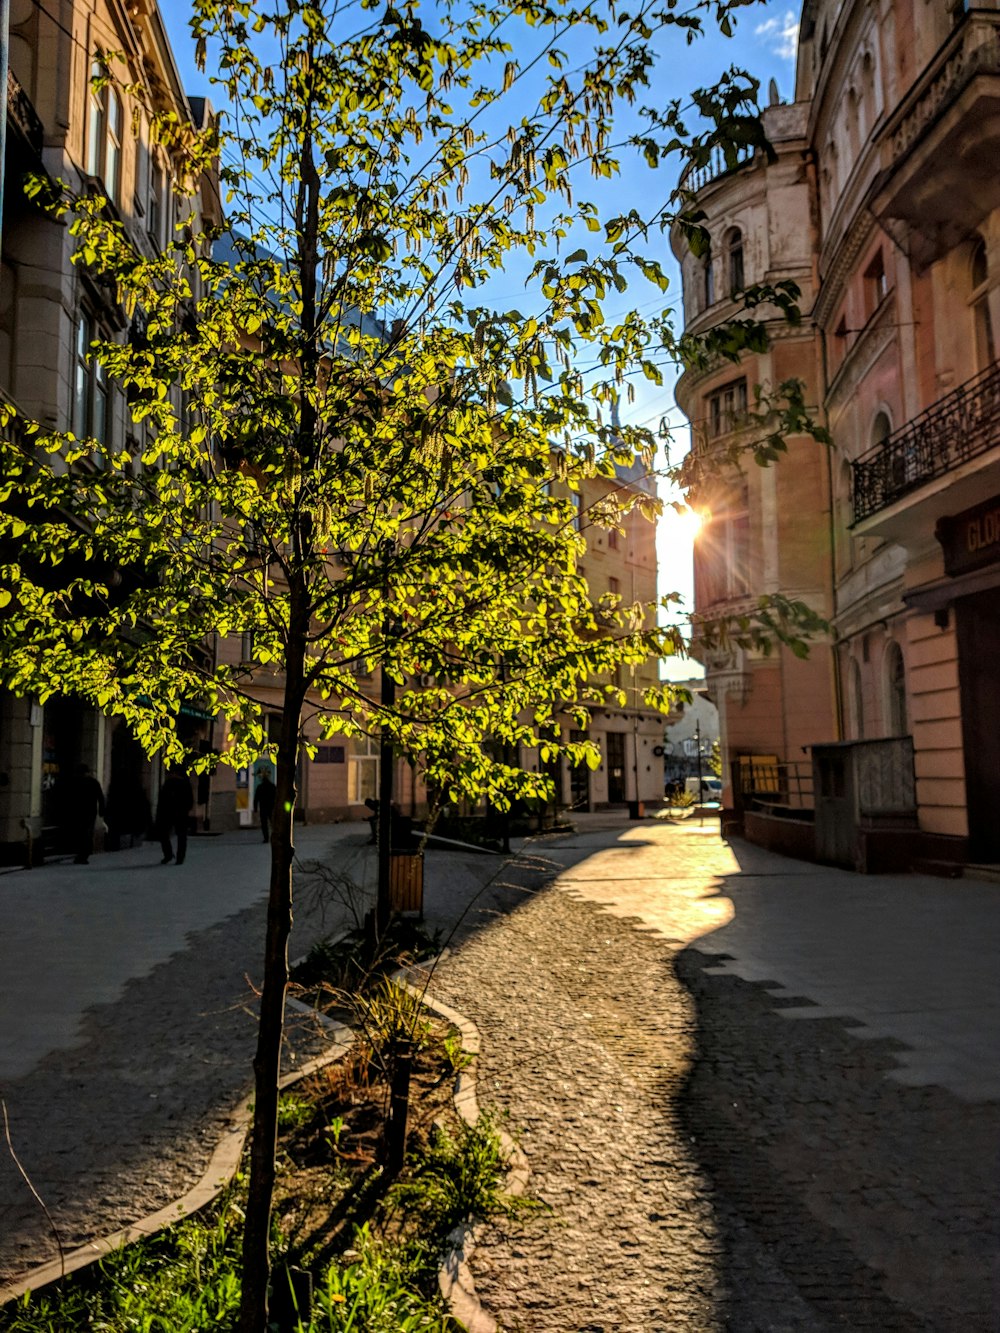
column 971, row 539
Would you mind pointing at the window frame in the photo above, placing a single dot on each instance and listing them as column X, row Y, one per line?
column 105, row 150
column 983, row 337
column 92, row 416
column 735, row 261
column 725, row 406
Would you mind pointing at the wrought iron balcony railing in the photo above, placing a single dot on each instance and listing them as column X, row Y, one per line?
column 959, row 427
column 696, row 178
column 21, row 113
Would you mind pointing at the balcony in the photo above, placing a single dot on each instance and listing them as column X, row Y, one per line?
column 696, row 178
column 23, row 119
column 941, row 145
column 949, row 441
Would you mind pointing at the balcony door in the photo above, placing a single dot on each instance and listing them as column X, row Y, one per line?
column 978, row 627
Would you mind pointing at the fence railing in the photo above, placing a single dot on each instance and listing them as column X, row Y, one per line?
column 696, row 178
column 958, row 427
column 764, row 782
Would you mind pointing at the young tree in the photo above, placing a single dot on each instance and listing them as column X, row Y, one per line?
column 349, row 448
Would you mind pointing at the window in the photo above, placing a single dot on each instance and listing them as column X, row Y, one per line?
column 104, row 133
column 876, row 284
column 577, row 511
column 158, row 202
column 90, row 387
column 726, row 406
column 362, row 771
column 734, row 246
column 614, row 586
column 895, row 682
column 722, row 555
column 980, row 304
column 612, row 539
column 708, row 281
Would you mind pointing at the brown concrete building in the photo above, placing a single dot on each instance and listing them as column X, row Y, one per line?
column 898, row 103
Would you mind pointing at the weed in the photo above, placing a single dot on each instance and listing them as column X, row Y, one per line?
column 453, row 1057
column 333, row 1132
column 375, row 1290
column 390, row 1016
column 457, row 1176
column 293, row 1112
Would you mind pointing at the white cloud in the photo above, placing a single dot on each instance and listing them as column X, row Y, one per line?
column 782, row 33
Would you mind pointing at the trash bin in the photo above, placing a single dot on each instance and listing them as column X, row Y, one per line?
column 406, row 882
column 636, row 810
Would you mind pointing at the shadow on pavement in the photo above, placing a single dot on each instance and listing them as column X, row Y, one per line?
column 872, row 1203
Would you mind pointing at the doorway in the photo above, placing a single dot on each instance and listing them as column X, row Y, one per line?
column 615, row 759
column 977, row 624
column 579, row 778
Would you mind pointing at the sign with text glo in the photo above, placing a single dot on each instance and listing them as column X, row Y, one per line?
column 971, row 539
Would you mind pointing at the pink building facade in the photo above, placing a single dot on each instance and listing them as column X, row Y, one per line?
column 898, row 103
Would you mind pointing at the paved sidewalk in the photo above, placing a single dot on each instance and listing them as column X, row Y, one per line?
column 128, row 1018
column 801, row 1136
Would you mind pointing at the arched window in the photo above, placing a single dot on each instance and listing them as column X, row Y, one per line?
column 979, row 300
column 734, row 260
column 708, row 280
column 895, row 690
column 881, row 429
column 104, row 133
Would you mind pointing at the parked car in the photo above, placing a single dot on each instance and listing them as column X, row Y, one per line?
column 711, row 789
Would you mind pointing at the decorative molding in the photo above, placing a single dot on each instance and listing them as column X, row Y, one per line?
column 845, row 257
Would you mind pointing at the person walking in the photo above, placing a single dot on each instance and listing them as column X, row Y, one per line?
column 84, row 803
column 172, row 811
column 263, row 802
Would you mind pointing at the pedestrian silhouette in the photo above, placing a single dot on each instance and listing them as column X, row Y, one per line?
column 263, row 802
column 172, row 810
column 84, row 802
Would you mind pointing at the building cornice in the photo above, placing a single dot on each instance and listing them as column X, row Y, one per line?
column 843, row 262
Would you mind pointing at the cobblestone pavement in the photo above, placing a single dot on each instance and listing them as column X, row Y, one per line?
column 705, row 1163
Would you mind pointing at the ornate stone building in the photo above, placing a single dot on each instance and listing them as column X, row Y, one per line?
column 51, row 310
column 763, row 529
column 898, row 106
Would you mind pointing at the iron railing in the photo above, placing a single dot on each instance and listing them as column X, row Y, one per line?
column 763, row 782
column 959, row 427
column 21, row 113
column 696, row 178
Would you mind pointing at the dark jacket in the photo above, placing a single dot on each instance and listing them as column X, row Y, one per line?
column 176, row 800
column 263, row 797
column 84, row 799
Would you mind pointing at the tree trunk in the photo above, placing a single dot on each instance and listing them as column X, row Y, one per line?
column 267, row 1062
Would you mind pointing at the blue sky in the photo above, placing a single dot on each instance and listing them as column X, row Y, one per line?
column 764, row 44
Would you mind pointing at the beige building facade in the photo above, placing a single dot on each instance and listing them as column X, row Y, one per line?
column 898, row 103
column 50, row 312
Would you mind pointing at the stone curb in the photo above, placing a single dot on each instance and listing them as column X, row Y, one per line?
column 219, row 1172
column 455, row 1278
